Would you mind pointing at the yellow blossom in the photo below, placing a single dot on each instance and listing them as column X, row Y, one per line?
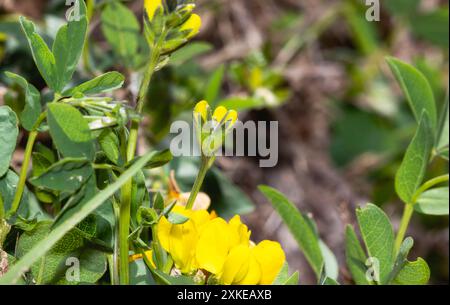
column 192, row 25
column 179, row 240
column 151, row 6
column 271, row 258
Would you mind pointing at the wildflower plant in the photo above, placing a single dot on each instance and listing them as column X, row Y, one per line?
column 86, row 200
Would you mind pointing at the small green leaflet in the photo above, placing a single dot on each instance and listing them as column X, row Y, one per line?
column 378, row 237
column 43, row 57
column 412, row 170
column 413, row 273
column 52, row 267
column 433, row 202
column 101, row 84
column 416, row 88
column 355, row 257
column 70, row 131
column 122, row 30
column 32, row 109
column 68, row 46
column 298, row 226
column 8, row 137
column 67, row 175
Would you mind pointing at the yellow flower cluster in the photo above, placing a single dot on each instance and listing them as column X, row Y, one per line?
column 192, row 25
column 223, row 249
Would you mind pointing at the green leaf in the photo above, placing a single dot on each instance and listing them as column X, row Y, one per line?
column 8, row 185
column 412, row 170
column 44, row 245
column 121, row 29
column 355, row 257
column 443, row 136
column 378, row 237
column 416, row 88
column 70, row 131
column 70, row 250
column 67, row 175
column 189, row 52
column 293, row 279
column 433, row 202
column 214, row 85
column 283, row 277
column 109, row 142
column 8, row 137
column 331, row 268
column 32, row 109
column 68, row 46
column 140, row 274
column 159, row 159
column 177, row 219
column 402, row 257
column 242, row 103
column 414, row 273
column 43, row 57
column 329, row 281
column 298, row 226
column 101, row 84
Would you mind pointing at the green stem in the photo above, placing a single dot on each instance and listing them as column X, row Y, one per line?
column 2, row 208
column 125, row 205
column 429, row 184
column 407, row 213
column 26, row 162
column 198, row 182
column 409, row 208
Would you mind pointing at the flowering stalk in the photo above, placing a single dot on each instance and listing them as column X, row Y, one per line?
column 198, row 182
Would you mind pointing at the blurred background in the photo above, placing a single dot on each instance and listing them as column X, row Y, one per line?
column 315, row 66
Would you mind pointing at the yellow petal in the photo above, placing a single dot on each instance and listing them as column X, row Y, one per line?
column 253, row 275
column 240, row 233
column 213, row 245
column 221, row 112
column 271, row 258
column 193, row 25
column 151, row 6
column 236, row 265
column 182, row 237
column 202, row 109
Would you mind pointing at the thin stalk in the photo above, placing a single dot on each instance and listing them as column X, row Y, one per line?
column 125, row 205
column 407, row 213
column 409, row 208
column 198, row 183
column 116, row 255
column 26, row 162
column 2, row 208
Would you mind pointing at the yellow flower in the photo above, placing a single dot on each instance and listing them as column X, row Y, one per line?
column 271, row 258
column 180, row 240
column 213, row 245
column 201, row 110
column 221, row 113
column 251, row 265
column 151, row 6
column 216, row 241
column 192, row 25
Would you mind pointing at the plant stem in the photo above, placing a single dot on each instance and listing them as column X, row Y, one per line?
column 125, row 205
column 26, row 162
column 198, row 182
column 429, row 184
column 407, row 213
column 409, row 208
